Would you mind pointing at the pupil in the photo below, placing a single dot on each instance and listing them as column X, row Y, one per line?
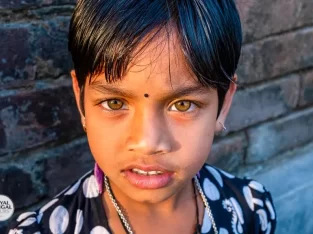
column 115, row 104
column 183, row 106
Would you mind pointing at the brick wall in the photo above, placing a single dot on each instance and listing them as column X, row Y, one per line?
column 272, row 112
column 42, row 145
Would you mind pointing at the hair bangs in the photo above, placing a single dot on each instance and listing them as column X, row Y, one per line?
column 105, row 36
column 210, row 39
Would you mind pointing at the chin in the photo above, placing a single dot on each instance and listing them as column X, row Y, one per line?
column 146, row 195
column 152, row 196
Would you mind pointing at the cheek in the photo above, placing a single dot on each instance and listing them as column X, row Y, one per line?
column 104, row 138
column 196, row 141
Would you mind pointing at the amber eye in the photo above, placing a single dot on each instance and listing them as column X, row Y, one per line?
column 114, row 104
column 182, row 105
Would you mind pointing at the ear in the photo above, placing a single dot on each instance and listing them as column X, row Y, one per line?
column 226, row 105
column 77, row 91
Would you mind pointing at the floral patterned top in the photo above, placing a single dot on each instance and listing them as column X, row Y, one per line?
column 238, row 206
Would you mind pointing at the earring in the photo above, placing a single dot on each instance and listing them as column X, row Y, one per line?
column 223, row 126
column 99, row 175
column 84, row 124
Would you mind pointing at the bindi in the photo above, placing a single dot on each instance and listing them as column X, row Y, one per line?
column 146, row 95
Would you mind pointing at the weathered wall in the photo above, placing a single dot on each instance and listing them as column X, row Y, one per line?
column 42, row 145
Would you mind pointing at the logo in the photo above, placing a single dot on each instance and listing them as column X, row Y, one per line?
column 6, row 208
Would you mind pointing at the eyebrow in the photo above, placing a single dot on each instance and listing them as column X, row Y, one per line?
column 109, row 89
column 175, row 93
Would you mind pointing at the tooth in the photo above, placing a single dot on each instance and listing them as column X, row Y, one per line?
column 152, row 173
column 140, row 172
column 155, row 172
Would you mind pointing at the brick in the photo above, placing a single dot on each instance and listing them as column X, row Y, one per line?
column 34, row 51
column 58, row 2
column 49, row 47
column 14, row 53
column 263, row 18
column 271, row 139
column 276, row 56
column 228, row 153
column 65, row 164
column 263, row 102
column 2, row 136
column 39, row 116
column 306, row 95
column 16, row 4
column 18, row 185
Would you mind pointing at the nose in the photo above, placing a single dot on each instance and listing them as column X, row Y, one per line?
column 149, row 134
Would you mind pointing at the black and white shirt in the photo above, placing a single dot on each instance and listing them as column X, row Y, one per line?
column 238, row 206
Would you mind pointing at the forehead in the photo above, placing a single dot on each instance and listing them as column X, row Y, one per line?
column 158, row 61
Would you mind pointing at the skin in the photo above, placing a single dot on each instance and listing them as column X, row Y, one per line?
column 153, row 131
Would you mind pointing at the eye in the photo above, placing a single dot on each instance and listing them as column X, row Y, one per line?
column 113, row 104
column 183, row 106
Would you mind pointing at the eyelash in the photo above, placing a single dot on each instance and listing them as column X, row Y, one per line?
column 98, row 103
column 197, row 105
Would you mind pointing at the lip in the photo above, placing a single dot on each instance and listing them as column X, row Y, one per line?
column 146, row 168
column 148, row 181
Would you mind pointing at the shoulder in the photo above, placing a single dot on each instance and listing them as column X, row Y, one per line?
column 63, row 212
column 246, row 198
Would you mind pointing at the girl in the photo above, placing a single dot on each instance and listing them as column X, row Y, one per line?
column 154, row 81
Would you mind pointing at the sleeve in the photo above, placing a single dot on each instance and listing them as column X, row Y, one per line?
column 261, row 204
column 26, row 223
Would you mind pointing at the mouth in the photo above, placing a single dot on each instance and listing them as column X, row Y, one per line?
column 146, row 173
column 148, row 177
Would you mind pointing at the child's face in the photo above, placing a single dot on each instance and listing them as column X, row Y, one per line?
column 171, row 129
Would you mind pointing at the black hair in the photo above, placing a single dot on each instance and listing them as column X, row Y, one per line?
column 104, row 35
